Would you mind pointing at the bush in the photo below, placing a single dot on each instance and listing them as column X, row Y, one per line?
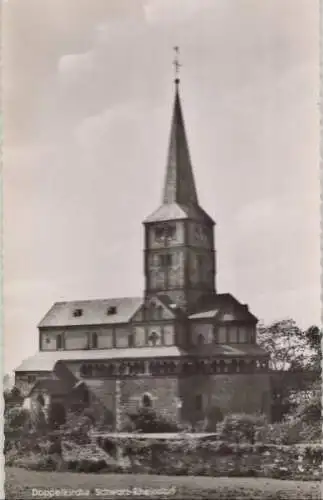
column 37, row 462
column 15, row 419
column 239, row 428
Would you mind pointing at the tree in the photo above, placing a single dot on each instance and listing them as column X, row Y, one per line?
column 295, row 357
column 285, row 342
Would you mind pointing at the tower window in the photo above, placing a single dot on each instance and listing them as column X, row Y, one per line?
column 77, row 313
column 165, row 231
column 111, row 310
column 166, row 260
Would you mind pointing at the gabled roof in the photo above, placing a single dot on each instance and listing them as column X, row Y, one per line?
column 93, row 312
column 54, row 387
column 223, row 307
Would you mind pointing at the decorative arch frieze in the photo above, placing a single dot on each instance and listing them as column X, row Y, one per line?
column 170, row 367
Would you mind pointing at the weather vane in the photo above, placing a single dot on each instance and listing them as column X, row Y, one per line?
column 177, row 64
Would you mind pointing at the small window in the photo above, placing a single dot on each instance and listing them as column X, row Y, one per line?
column 111, row 310
column 199, row 402
column 59, row 341
column 94, row 340
column 77, row 313
column 147, row 401
column 153, row 338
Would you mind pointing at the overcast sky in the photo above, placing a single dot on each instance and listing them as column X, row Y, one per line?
column 87, row 96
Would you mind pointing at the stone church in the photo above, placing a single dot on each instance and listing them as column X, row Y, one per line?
column 182, row 348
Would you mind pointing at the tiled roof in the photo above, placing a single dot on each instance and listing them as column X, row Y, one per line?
column 46, row 361
column 93, row 312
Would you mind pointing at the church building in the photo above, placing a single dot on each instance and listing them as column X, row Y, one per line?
column 181, row 348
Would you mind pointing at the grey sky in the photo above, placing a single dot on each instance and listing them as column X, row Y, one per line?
column 87, row 98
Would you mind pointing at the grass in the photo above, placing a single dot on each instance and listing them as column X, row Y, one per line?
column 20, row 482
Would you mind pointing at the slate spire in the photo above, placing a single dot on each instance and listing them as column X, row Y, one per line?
column 179, row 181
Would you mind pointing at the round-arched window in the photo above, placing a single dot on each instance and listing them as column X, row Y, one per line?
column 147, row 401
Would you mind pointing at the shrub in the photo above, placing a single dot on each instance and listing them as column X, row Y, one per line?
column 240, row 428
column 15, row 419
column 39, row 462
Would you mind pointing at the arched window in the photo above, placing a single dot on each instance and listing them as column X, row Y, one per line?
column 94, row 340
column 147, row 401
column 59, row 341
column 153, row 338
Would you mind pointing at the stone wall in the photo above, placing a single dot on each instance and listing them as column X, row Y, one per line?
column 231, row 393
column 163, row 392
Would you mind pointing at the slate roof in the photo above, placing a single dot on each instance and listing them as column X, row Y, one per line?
column 94, row 312
column 46, row 360
column 179, row 182
column 180, row 200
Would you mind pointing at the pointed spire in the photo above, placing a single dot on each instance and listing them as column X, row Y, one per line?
column 179, row 182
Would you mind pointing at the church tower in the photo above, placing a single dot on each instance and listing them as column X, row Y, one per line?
column 179, row 236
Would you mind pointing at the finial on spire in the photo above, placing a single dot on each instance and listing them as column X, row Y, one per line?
column 176, row 64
